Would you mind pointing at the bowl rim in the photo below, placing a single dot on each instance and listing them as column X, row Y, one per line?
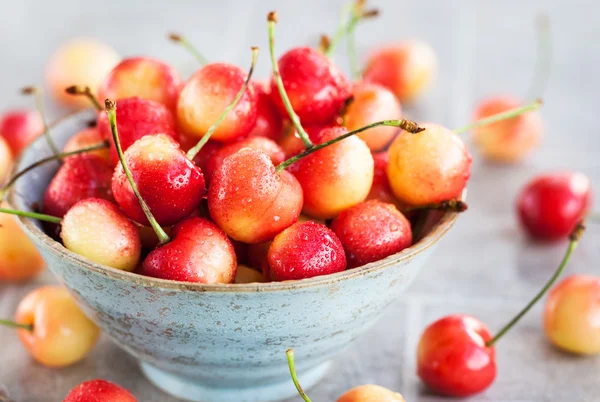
column 437, row 232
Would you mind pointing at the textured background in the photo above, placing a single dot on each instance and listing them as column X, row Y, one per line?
column 485, row 267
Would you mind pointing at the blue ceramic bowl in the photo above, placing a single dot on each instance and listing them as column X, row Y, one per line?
column 221, row 343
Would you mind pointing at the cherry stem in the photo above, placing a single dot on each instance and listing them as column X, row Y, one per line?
column 341, row 29
column 189, row 47
column 272, row 21
column 573, row 242
column 111, row 111
column 544, row 58
column 194, row 151
column 290, row 358
column 12, row 324
column 39, row 101
column 358, row 14
column 4, row 189
column 407, row 125
column 77, row 90
column 324, row 44
column 509, row 114
column 34, row 215
column 448, row 206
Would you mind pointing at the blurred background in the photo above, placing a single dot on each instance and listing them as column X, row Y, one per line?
column 485, row 267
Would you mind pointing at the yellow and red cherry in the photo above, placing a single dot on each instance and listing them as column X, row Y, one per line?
column 428, row 167
column 6, row 161
column 305, row 250
column 52, row 328
column 292, row 144
column 83, row 61
column 198, row 252
column 144, row 77
column 370, row 393
column 571, row 315
column 550, row 205
column 407, row 69
column 99, row 391
column 370, row 103
column 509, row 140
column 256, row 202
column 371, row 231
column 96, row 229
column 19, row 128
column 86, row 138
column 269, row 122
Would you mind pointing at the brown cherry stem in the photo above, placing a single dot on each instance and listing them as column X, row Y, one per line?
column 189, row 47
column 448, row 206
column 324, row 44
column 39, row 101
column 406, row 125
column 272, row 21
column 544, row 58
column 34, row 215
column 111, row 110
column 509, row 114
column 194, row 151
column 573, row 242
column 77, row 90
column 358, row 14
column 291, row 364
column 18, row 175
column 12, row 324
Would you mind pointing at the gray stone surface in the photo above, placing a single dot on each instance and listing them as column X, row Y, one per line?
column 484, row 267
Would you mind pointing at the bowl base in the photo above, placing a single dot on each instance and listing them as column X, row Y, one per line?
column 191, row 390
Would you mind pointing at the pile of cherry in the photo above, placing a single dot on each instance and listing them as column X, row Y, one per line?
column 222, row 179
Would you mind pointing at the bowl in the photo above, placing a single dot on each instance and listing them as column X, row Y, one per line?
column 221, row 343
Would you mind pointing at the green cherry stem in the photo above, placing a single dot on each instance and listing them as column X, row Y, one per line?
column 573, row 241
column 500, row 116
column 39, row 101
column 290, row 359
column 544, row 58
column 111, row 110
column 340, row 31
column 77, row 90
column 34, row 215
column 12, row 324
column 406, row 125
column 272, row 21
column 41, row 162
column 358, row 14
column 194, row 151
column 189, row 47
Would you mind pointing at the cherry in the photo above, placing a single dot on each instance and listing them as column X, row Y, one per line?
column 509, row 140
column 6, row 160
column 571, row 315
column 52, row 328
column 292, row 144
column 19, row 259
column 305, row 250
column 371, row 103
column 96, row 229
column 256, row 202
column 550, row 205
column 456, row 354
column 171, row 184
column 199, row 252
column 264, row 144
column 144, row 77
column 87, row 138
column 99, row 391
column 137, row 118
column 83, row 61
column 336, row 177
column 269, row 122
column 317, row 90
column 245, row 274
column 370, row 393
column 19, row 128
column 371, row 231
column 406, row 68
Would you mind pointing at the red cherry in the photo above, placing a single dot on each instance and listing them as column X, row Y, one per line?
column 80, row 177
column 20, row 127
column 292, row 144
column 305, row 250
column 249, row 200
column 204, row 156
column 136, row 118
column 269, row 122
column 171, row 184
column 550, row 206
column 144, row 77
column 207, row 93
column 453, row 358
column 371, row 231
column 381, row 190
column 198, row 252
column 316, row 87
column 99, row 391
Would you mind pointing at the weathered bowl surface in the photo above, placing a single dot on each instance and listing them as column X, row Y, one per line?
column 221, row 343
